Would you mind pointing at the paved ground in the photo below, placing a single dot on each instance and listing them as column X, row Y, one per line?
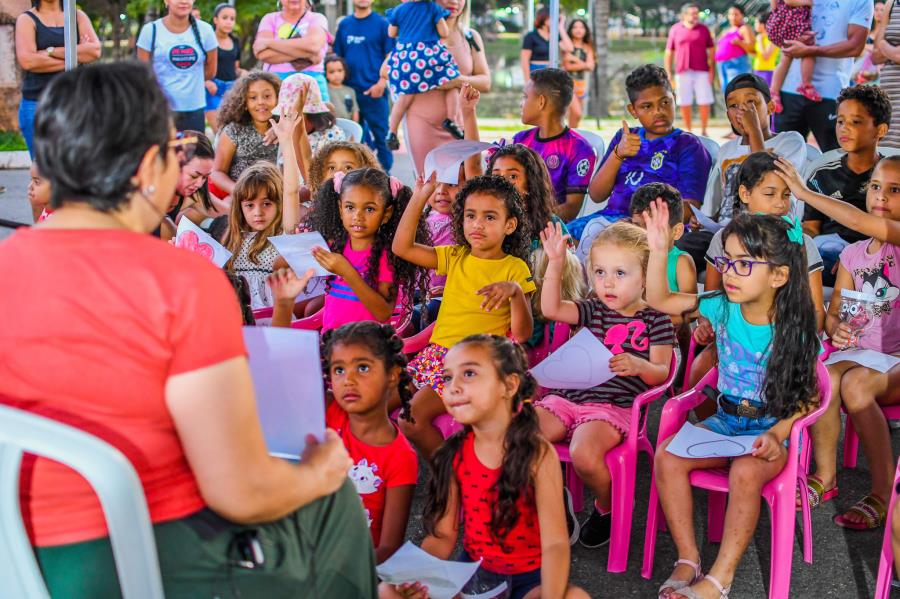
column 844, row 562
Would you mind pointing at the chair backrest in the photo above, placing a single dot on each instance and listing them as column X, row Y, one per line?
column 812, row 153
column 596, row 141
column 711, row 145
column 113, row 479
column 352, row 129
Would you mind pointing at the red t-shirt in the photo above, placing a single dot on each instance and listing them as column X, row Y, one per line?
column 376, row 468
column 92, row 324
column 690, row 46
column 478, row 489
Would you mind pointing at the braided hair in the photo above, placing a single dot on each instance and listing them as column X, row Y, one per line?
column 384, row 344
column 522, row 445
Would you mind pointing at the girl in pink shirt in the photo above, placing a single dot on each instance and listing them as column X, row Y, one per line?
column 873, row 267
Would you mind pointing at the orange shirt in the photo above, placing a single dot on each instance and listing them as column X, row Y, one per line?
column 92, row 324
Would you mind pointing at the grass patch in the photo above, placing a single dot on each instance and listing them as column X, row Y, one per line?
column 12, row 141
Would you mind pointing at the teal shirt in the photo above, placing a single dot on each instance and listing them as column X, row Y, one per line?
column 536, row 240
column 672, row 268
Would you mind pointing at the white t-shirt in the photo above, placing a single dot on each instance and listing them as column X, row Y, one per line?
column 178, row 62
column 830, row 19
column 722, row 186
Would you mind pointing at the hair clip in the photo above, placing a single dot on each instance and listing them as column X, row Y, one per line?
column 795, row 233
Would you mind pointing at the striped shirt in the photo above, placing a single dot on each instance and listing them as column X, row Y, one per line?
column 890, row 80
column 633, row 334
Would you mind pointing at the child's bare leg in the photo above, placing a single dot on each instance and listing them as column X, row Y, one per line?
column 675, row 496
column 451, row 103
column 686, row 117
column 807, row 65
column 401, row 105
column 426, row 405
column 746, row 478
column 552, row 428
column 571, row 593
column 827, row 429
column 780, row 73
column 591, row 442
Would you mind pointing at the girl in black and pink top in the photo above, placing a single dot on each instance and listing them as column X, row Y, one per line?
column 497, row 477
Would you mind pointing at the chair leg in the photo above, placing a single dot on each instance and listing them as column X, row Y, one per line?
column 654, row 518
column 575, row 486
column 807, row 519
column 783, row 515
column 716, row 515
column 623, row 482
column 886, row 563
column 851, row 444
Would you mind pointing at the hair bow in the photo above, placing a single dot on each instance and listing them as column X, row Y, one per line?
column 338, row 181
column 795, row 233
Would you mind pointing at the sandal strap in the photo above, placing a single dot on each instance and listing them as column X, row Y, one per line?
column 814, row 491
column 872, row 509
column 687, row 562
column 723, row 590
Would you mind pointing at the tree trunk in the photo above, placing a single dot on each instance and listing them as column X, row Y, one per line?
column 600, row 86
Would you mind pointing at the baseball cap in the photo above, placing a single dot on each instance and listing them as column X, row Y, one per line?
column 749, row 81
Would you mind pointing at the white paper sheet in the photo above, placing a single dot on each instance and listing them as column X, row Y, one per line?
column 581, row 362
column 194, row 239
column 705, row 221
column 591, row 230
column 444, row 579
column 696, row 442
column 287, row 379
column 297, row 250
column 864, row 357
column 446, row 159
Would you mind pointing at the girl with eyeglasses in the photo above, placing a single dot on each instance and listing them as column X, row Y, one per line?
column 764, row 316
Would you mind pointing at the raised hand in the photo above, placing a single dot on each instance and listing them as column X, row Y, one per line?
column 284, row 127
column 554, row 242
column 286, row 285
column 629, row 144
column 424, row 189
column 468, row 98
column 656, row 221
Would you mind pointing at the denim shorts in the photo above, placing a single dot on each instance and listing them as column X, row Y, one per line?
column 519, row 584
column 214, row 101
column 733, row 426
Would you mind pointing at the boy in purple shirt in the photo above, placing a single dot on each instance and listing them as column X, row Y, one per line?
column 655, row 152
column 569, row 157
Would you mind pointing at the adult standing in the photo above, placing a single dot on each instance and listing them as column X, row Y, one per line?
column 362, row 41
column 426, row 113
column 579, row 63
column 228, row 67
column 691, row 47
column 841, row 29
column 886, row 51
column 40, row 51
column 184, row 53
column 294, row 40
column 734, row 47
column 167, row 384
column 535, row 52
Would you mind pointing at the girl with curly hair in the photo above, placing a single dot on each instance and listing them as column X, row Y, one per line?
column 487, row 288
column 244, row 118
column 365, row 365
column 337, row 156
column 497, row 475
column 767, row 342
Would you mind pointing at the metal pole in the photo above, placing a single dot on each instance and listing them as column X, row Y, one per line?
column 70, row 34
column 554, row 34
column 529, row 16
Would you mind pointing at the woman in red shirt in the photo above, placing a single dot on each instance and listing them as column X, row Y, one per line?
column 128, row 338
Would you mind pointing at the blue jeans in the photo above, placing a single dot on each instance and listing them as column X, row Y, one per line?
column 214, row 101
column 733, row 426
column 373, row 116
column 730, row 69
column 830, row 248
column 27, row 109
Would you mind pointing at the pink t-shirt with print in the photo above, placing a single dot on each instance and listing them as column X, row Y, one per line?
column 281, row 29
column 342, row 305
column 877, row 273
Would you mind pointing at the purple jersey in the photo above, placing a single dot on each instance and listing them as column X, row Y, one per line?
column 678, row 159
column 569, row 159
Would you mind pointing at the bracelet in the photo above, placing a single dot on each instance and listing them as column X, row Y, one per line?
column 616, row 152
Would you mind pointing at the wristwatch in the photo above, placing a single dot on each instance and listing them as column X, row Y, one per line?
column 50, row 50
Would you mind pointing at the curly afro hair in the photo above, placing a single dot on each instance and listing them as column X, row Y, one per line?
column 648, row 75
column 517, row 243
column 234, row 104
column 876, row 101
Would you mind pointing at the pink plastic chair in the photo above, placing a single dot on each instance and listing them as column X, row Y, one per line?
column 689, row 362
column 622, row 463
column 779, row 493
column 263, row 313
column 886, row 563
column 554, row 337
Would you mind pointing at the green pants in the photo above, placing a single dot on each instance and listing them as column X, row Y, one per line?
column 322, row 550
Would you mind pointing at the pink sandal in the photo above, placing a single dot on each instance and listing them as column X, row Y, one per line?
column 776, row 100
column 688, row 593
column 674, row 585
column 809, row 92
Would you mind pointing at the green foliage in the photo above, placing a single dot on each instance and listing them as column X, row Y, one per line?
column 12, row 141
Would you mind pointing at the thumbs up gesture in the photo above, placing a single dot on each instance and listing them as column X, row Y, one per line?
column 629, row 144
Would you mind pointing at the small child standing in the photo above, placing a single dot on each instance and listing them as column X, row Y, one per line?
column 420, row 62
column 497, row 479
column 791, row 20
column 343, row 98
column 595, row 420
column 365, row 364
column 765, row 59
column 487, row 287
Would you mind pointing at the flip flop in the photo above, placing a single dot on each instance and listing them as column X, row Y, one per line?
column 674, row 585
column 871, row 508
column 815, row 491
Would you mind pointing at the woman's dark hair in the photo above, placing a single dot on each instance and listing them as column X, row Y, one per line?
column 517, row 243
column 320, row 120
column 539, row 200
column 737, row 7
column 753, row 170
column 220, row 7
column 234, row 104
column 242, row 290
column 790, row 382
column 202, row 149
column 522, row 445
column 588, row 41
column 37, row 4
column 80, row 143
column 541, row 17
column 384, row 343
column 325, row 217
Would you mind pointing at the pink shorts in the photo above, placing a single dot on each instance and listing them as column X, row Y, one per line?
column 573, row 415
column 427, row 368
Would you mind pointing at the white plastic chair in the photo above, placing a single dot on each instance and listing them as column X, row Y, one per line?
column 113, row 479
column 597, row 142
column 352, row 129
column 711, row 145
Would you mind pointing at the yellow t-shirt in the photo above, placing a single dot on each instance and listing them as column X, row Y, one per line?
column 461, row 314
column 759, row 63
